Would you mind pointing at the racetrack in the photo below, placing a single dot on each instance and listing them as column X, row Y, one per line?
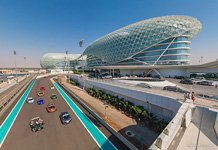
column 54, row 135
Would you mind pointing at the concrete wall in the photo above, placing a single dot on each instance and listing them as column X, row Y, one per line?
column 204, row 70
column 166, row 137
column 173, row 72
column 131, row 72
column 164, row 107
column 216, row 125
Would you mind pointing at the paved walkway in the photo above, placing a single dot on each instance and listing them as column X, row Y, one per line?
column 115, row 118
column 200, row 89
column 200, row 134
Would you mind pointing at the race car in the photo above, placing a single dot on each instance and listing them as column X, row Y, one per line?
column 51, row 108
column 53, row 96
column 36, row 124
column 40, row 94
column 42, row 88
column 52, row 87
column 40, row 101
column 65, row 118
column 29, row 100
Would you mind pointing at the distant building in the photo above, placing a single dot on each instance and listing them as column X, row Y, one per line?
column 6, row 71
column 57, row 60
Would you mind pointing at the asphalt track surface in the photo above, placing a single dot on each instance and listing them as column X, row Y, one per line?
column 54, row 136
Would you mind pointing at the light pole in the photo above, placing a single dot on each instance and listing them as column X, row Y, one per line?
column 105, row 102
column 105, row 114
column 25, row 64
column 67, row 66
column 83, row 65
column 80, row 45
column 66, row 61
column 202, row 59
column 15, row 65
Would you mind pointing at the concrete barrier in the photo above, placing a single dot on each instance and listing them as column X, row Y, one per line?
column 216, row 125
column 108, row 127
column 165, row 138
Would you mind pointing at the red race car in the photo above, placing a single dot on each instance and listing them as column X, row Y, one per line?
column 51, row 108
column 42, row 88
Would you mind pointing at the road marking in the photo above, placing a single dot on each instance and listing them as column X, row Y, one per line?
column 9, row 121
column 95, row 133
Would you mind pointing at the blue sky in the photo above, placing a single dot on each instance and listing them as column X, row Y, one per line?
column 35, row 27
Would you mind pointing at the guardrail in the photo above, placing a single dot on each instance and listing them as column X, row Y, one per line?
column 13, row 94
column 108, row 127
column 168, row 134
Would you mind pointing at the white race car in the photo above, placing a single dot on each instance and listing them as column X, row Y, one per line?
column 30, row 100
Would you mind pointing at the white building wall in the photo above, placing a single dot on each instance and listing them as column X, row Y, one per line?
column 173, row 72
column 203, row 70
column 163, row 72
column 125, row 72
column 162, row 106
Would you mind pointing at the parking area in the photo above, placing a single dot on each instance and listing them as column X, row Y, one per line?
column 199, row 89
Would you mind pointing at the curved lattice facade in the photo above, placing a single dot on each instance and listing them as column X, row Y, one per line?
column 57, row 60
column 163, row 41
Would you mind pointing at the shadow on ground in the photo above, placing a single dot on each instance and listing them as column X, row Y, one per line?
column 204, row 119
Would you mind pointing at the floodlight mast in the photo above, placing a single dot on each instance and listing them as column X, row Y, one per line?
column 81, row 44
column 15, row 65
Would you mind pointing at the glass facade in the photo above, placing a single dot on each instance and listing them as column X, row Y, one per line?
column 57, row 60
column 163, row 40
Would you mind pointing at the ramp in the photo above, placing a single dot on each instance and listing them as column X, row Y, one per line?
column 200, row 134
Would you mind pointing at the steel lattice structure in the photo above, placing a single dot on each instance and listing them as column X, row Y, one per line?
column 162, row 40
column 57, row 60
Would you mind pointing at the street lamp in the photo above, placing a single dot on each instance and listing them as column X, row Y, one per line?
column 105, row 102
column 105, row 108
column 67, row 65
column 202, row 59
column 80, row 45
column 25, row 64
column 67, row 61
column 83, row 65
column 15, row 65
